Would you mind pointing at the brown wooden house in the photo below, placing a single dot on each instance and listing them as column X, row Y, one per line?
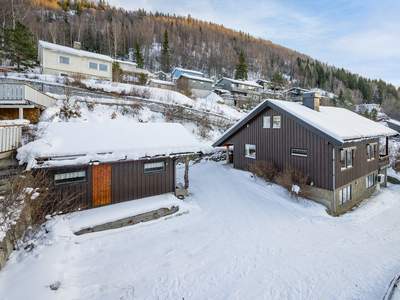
column 339, row 149
column 107, row 163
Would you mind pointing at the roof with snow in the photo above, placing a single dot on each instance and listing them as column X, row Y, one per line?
column 197, row 78
column 187, row 71
column 16, row 122
column 159, row 81
column 69, row 50
column 67, row 143
column 246, row 82
column 125, row 62
column 336, row 125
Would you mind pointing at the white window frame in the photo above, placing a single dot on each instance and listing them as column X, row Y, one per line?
column 275, row 121
column 248, row 151
column 265, row 120
column 106, row 70
column 62, row 56
column 370, row 180
column 345, row 195
column 153, row 167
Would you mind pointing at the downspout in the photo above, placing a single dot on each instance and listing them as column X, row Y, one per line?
column 175, row 160
column 333, row 182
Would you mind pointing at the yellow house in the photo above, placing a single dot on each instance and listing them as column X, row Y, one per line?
column 66, row 61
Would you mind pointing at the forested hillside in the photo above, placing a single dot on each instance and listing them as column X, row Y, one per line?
column 191, row 43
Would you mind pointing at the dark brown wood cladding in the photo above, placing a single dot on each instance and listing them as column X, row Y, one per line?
column 127, row 181
column 361, row 165
column 275, row 145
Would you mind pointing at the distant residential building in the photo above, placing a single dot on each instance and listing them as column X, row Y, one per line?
column 130, row 68
column 200, row 86
column 179, row 71
column 160, row 75
column 264, row 83
column 65, row 61
column 239, row 90
column 294, row 93
column 161, row 84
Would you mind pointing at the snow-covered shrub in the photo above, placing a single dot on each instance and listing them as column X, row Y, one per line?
column 291, row 177
column 263, row 169
column 69, row 109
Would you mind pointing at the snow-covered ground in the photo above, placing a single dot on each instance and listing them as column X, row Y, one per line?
column 242, row 239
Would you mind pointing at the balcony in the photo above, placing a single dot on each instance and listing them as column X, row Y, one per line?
column 383, row 161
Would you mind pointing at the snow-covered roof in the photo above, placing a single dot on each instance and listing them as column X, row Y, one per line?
column 73, row 143
column 125, row 62
column 69, row 50
column 245, row 82
column 158, row 81
column 16, row 122
column 186, row 70
column 195, row 78
column 337, row 125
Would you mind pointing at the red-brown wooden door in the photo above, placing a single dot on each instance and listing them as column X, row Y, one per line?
column 101, row 184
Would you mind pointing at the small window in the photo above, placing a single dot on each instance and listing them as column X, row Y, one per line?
column 347, row 158
column 250, row 151
column 154, row 167
column 103, row 67
column 266, row 122
column 299, row 152
column 345, row 194
column 370, row 181
column 92, row 65
column 64, row 60
column 276, row 122
column 64, row 74
column 371, row 151
column 70, row 177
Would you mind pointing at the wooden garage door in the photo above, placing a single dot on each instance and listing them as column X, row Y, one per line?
column 101, row 176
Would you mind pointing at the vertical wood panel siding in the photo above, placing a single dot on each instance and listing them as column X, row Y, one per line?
column 129, row 182
column 275, row 145
column 361, row 166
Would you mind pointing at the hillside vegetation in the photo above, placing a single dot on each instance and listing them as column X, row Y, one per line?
column 193, row 44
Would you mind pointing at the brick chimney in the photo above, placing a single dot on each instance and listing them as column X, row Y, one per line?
column 311, row 100
column 77, row 45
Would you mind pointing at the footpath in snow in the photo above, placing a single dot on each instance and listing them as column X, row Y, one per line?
column 242, row 239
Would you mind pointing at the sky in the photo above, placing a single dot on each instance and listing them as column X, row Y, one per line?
column 362, row 36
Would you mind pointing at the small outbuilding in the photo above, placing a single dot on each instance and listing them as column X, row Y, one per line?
column 107, row 163
column 161, row 84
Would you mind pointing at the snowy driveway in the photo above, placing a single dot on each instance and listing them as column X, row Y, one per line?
column 243, row 239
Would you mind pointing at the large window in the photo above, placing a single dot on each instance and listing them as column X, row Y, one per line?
column 154, row 167
column 347, row 157
column 345, row 194
column 103, row 67
column 371, row 151
column 276, row 121
column 370, row 181
column 299, row 152
column 64, row 60
column 266, row 122
column 96, row 66
column 92, row 65
column 70, row 177
column 250, row 151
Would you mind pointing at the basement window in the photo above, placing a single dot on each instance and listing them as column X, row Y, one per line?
column 70, row 177
column 370, row 181
column 345, row 195
column 250, row 151
column 154, row 167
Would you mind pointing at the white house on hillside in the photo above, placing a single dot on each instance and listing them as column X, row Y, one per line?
column 65, row 61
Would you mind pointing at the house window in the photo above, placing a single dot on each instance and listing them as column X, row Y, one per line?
column 64, row 74
column 154, row 167
column 70, row 177
column 250, row 151
column 64, row 60
column 347, row 158
column 299, row 152
column 266, row 122
column 103, row 67
column 370, row 181
column 345, row 194
column 92, row 65
column 276, row 122
column 371, row 151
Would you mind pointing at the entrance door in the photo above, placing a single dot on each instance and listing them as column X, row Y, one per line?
column 101, row 184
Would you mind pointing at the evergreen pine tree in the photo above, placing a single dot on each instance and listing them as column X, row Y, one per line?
column 241, row 67
column 277, row 80
column 165, row 63
column 19, row 46
column 138, row 57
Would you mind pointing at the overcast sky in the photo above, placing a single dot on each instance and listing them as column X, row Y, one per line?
column 362, row 36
